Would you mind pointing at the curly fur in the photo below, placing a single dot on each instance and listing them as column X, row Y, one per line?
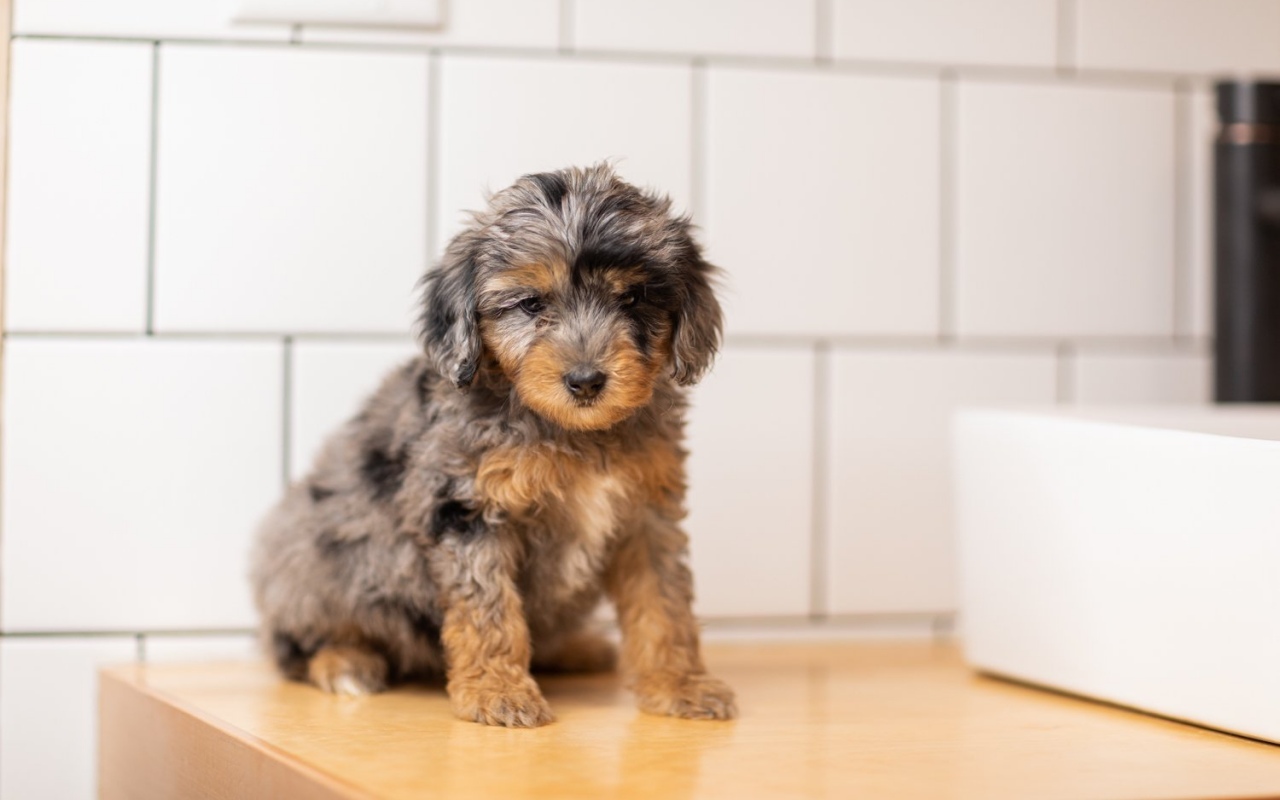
column 474, row 513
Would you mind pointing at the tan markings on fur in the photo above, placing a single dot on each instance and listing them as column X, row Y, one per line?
column 542, row 278
column 652, row 589
column 623, row 279
column 518, row 479
column 539, row 380
column 486, row 644
column 347, row 670
column 521, row 479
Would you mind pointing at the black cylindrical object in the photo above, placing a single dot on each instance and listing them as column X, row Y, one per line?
column 1247, row 243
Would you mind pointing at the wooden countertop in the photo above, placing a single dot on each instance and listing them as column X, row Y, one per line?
column 899, row 720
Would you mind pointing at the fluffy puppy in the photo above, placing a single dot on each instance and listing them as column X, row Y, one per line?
column 471, row 517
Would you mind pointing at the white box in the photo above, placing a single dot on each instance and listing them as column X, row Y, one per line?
column 1131, row 556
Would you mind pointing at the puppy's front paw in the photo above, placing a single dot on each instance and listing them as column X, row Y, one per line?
column 686, row 696
column 512, row 704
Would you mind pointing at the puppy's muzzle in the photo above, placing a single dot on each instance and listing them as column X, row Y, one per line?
column 584, row 383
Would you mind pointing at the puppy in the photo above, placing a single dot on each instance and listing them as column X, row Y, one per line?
column 470, row 518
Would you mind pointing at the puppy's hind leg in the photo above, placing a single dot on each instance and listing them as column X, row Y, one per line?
column 348, row 670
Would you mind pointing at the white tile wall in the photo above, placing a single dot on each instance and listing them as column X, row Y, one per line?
column 527, row 24
column 80, row 143
column 750, row 479
column 48, row 717
column 1065, row 210
column 822, row 196
column 1203, row 116
column 300, row 214
column 293, row 188
column 504, row 117
column 1020, row 32
column 1203, row 36
column 225, row 647
column 134, row 474
column 1102, row 378
column 759, row 27
column 330, row 383
column 890, row 543
column 205, row 19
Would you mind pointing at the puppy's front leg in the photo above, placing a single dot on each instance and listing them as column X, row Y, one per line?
column 653, row 590
column 485, row 636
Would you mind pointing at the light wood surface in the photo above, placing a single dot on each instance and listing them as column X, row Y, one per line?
column 901, row 720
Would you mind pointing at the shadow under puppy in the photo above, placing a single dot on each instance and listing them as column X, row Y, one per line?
column 470, row 518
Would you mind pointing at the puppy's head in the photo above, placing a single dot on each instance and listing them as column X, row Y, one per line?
column 582, row 290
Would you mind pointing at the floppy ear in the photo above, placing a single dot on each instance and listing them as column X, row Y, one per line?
column 696, row 336
column 450, row 330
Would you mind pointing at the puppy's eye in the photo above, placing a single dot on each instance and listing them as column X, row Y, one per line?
column 532, row 305
column 631, row 297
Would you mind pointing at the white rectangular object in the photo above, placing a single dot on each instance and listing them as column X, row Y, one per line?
column 372, row 13
column 1129, row 556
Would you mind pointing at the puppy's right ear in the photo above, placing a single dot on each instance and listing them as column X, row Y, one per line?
column 449, row 325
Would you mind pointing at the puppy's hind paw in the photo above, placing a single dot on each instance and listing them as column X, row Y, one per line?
column 517, row 704
column 349, row 671
column 687, row 697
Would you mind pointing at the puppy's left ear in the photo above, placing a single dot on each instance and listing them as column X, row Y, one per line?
column 449, row 325
column 698, row 322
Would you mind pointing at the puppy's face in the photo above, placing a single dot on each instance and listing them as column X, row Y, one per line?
column 582, row 290
column 582, row 342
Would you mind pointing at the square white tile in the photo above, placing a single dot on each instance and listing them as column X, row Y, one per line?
column 531, row 24
column 1064, row 210
column 1198, row 36
column 209, row 647
column 79, row 153
column 206, row 19
column 331, row 381
column 890, row 547
column 305, row 215
column 501, row 118
column 135, row 472
column 49, row 713
column 750, row 483
column 822, row 201
column 711, row 27
column 1203, row 120
column 1103, row 378
column 988, row 32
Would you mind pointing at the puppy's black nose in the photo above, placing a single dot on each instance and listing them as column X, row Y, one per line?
column 584, row 383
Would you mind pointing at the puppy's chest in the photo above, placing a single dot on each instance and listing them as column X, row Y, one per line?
column 569, row 508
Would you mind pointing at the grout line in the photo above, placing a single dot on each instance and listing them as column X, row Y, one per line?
column 832, row 622
column 982, row 72
column 152, row 160
column 1065, row 44
column 295, row 34
column 820, row 481
column 925, row 342
column 698, row 120
column 286, row 426
column 823, row 31
column 1065, row 383
column 567, row 27
column 401, row 336
column 6, row 98
column 1182, row 261
column 947, row 159
column 140, row 645
column 943, row 627
column 434, row 82
column 116, row 634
